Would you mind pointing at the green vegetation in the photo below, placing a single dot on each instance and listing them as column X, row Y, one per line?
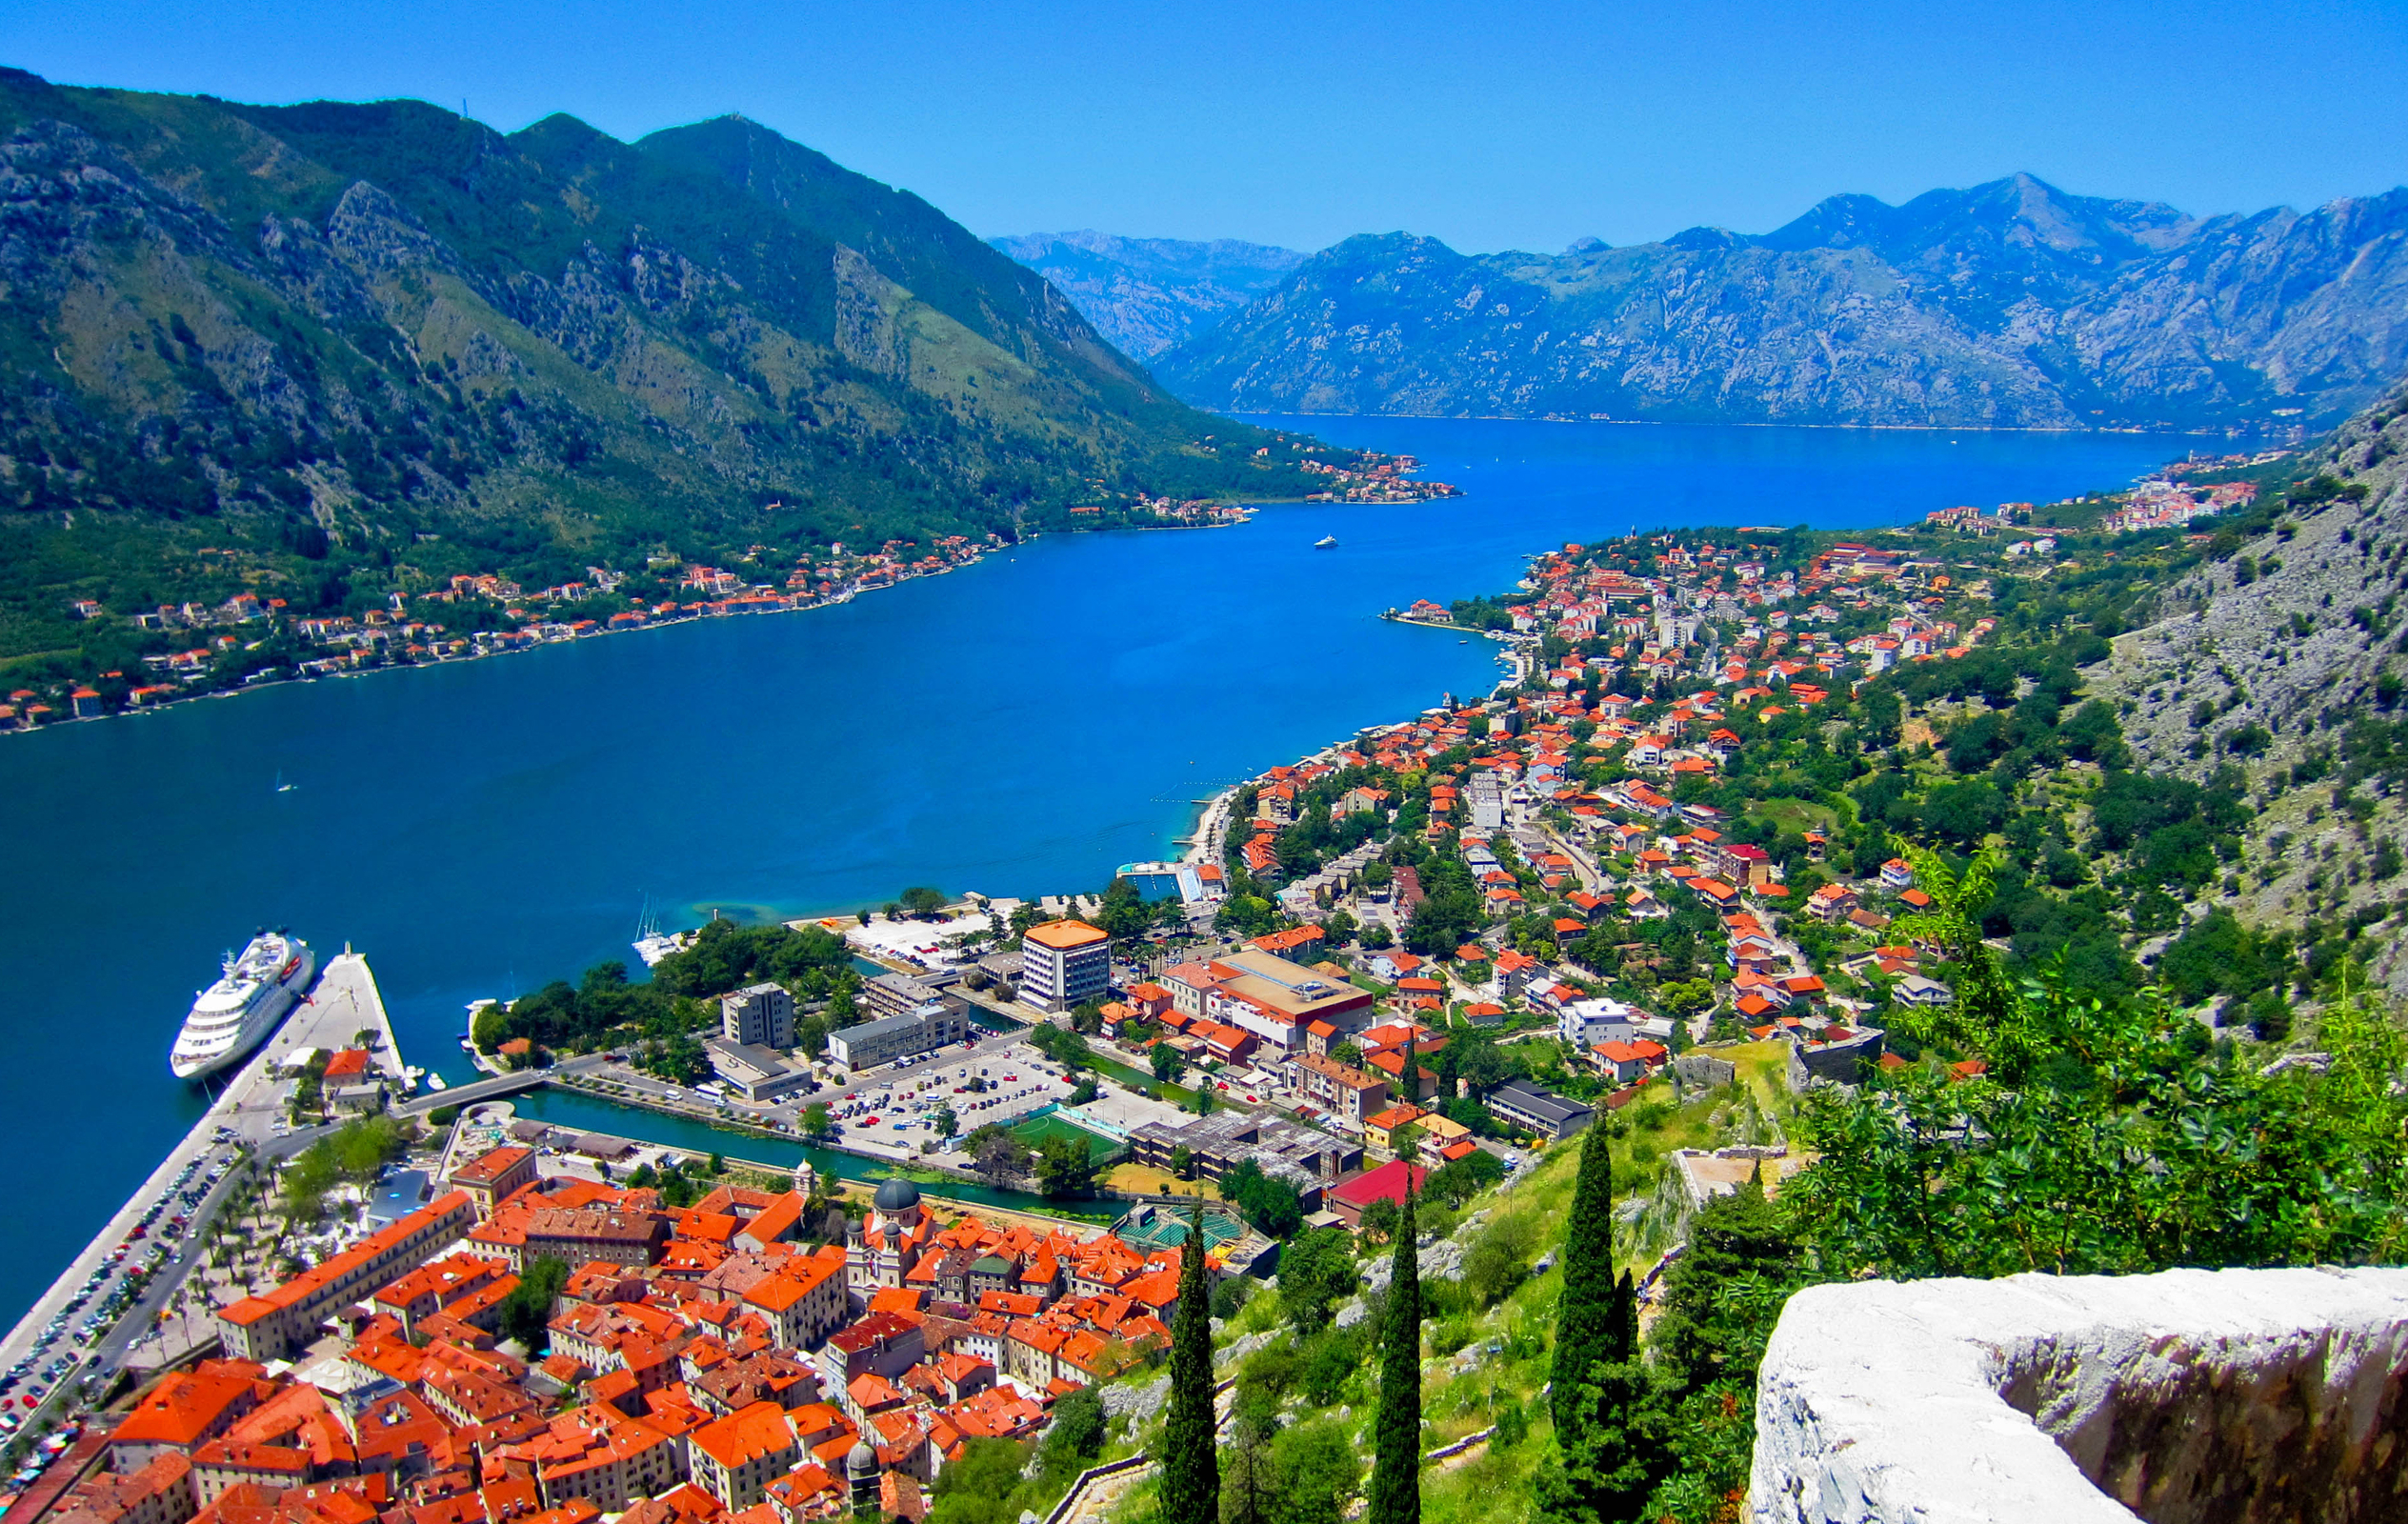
column 1395, row 1484
column 665, row 1018
column 353, row 1154
column 1190, row 1468
column 527, row 1311
column 793, row 358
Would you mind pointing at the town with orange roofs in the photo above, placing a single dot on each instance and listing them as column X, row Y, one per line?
column 1651, row 876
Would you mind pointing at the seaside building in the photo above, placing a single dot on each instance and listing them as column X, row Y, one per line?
column 1306, row 1158
column 1277, row 1000
column 494, row 1176
column 1063, row 964
column 761, row 1013
column 758, row 1072
column 273, row 1325
column 1184, row 882
column 892, row 1037
column 899, row 994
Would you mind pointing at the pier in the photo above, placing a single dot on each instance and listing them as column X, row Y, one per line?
column 341, row 1006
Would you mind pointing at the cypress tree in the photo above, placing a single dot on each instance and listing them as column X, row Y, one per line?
column 1395, row 1488
column 1586, row 1332
column 1190, row 1468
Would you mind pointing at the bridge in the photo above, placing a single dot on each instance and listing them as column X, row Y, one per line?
column 496, row 1085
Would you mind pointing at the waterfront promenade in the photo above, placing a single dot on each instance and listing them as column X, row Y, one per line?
column 343, row 1004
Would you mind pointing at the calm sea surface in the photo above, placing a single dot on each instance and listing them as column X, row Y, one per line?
column 1018, row 728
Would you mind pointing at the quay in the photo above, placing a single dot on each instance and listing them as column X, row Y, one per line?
column 239, row 1125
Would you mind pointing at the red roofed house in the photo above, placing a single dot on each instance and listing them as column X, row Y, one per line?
column 1387, row 1183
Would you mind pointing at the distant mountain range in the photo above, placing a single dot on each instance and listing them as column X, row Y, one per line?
column 1149, row 295
column 2012, row 304
column 348, row 345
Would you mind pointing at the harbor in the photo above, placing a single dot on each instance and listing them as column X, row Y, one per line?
column 134, row 1265
column 127, row 828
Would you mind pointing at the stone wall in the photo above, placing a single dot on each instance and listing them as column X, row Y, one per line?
column 2234, row 1397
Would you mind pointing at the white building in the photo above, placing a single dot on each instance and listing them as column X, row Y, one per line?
column 1063, row 964
column 1585, row 1023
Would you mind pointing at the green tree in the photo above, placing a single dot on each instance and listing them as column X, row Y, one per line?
column 1396, row 1490
column 1584, row 1316
column 1722, row 1300
column 978, row 1488
column 1251, row 1485
column 2048, row 1182
column 1319, row 1473
column 527, row 1311
column 1076, row 1432
column 1316, row 1269
column 1597, row 1473
column 1065, row 1167
column 1166, row 1062
column 815, row 1120
column 1191, row 1466
column 921, row 900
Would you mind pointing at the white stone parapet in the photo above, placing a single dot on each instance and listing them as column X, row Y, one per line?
column 2177, row 1398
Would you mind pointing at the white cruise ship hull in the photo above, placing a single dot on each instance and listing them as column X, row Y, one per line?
column 232, row 1016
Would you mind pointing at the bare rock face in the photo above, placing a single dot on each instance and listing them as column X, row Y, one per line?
column 2237, row 1396
column 1149, row 295
column 2264, row 659
column 2011, row 304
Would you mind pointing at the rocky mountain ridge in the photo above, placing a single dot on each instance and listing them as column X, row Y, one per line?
column 2010, row 305
column 1149, row 296
column 2281, row 658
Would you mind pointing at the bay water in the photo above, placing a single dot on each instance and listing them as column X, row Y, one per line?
column 1018, row 728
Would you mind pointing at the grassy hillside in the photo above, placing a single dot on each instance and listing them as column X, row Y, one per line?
column 332, row 351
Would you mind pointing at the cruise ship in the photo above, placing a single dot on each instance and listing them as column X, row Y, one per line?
column 231, row 1016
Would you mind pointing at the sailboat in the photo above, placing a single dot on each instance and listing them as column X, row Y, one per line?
column 283, row 787
column 651, row 943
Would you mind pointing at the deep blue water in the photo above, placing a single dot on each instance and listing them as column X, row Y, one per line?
column 1018, row 728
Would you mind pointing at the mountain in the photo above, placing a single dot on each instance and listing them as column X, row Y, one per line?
column 2012, row 304
column 332, row 350
column 2279, row 657
column 1150, row 295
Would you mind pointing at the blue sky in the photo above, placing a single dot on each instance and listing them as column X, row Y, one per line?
column 1489, row 126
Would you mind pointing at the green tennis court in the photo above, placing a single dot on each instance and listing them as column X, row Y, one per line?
column 1037, row 1130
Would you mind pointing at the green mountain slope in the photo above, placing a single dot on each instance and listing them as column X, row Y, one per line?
column 331, row 351
column 2011, row 304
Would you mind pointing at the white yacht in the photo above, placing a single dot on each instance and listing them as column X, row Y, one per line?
column 229, row 1017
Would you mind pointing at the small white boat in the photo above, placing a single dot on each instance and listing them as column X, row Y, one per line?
column 1327, row 542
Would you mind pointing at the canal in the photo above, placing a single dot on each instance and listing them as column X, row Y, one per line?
column 590, row 1113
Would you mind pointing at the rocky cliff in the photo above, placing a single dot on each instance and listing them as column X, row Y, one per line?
column 2280, row 657
column 1149, row 295
column 2009, row 305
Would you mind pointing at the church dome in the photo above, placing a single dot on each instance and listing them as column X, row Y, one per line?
column 862, row 1462
column 896, row 1196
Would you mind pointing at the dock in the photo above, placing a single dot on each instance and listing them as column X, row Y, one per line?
column 342, row 1004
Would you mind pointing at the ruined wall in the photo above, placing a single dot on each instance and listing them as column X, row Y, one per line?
column 2233, row 1397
